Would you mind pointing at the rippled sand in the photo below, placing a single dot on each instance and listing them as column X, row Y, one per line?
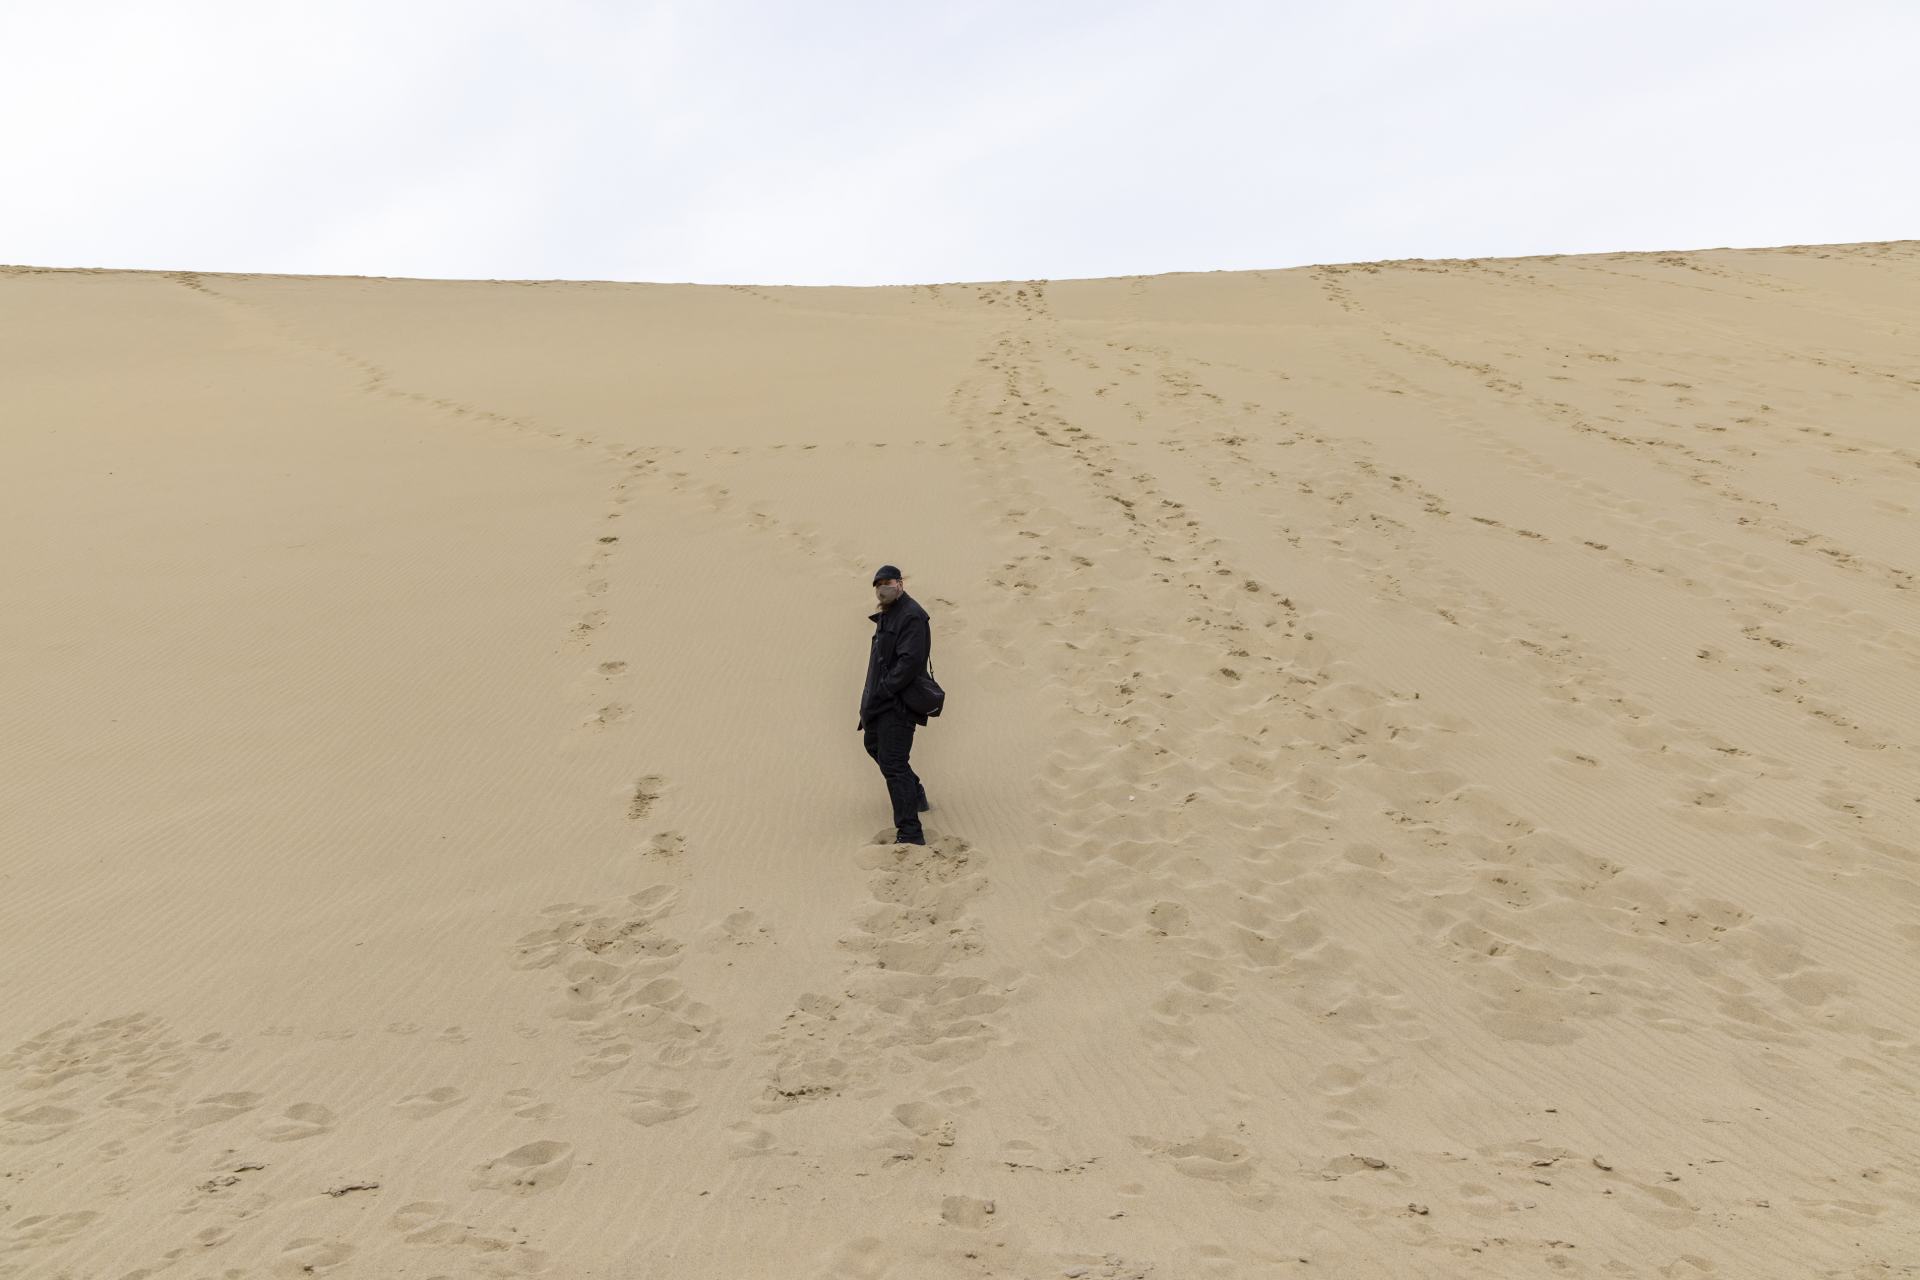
column 1429, row 785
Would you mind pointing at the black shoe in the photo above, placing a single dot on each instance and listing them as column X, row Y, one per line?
column 920, row 841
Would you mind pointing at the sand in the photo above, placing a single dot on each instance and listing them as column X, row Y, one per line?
column 1429, row 787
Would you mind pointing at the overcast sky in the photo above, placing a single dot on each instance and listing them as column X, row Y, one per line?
column 856, row 143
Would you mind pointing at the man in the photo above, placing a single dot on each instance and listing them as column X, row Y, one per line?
column 902, row 643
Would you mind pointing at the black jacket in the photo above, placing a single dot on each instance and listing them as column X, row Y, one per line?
column 902, row 643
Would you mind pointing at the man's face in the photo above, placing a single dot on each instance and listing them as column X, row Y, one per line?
column 887, row 590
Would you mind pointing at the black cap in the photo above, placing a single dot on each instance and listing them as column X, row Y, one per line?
column 884, row 572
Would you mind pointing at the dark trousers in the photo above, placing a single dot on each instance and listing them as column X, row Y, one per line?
column 889, row 738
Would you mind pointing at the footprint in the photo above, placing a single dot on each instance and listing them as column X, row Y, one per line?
column 646, row 792
column 1212, row 1157
column 432, row 1102
column 1019, row 1153
column 25, row 1126
column 802, row 1076
column 526, row 1104
column 656, row 1106
column 1169, row 918
column 607, row 1060
column 966, row 1211
column 427, row 1223
column 537, row 1166
column 301, row 1120
column 741, row 928
column 46, row 1229
column 419, row 1217
column 665, row 844
column 1353, row 1163
column 1220, row 1159
column 312, row 1256
column 654, row 901
column 219, row 1107
column 744, row 1139
column 612, row 713
column 862, row 1258
column 581, row 633
column 933, row 1125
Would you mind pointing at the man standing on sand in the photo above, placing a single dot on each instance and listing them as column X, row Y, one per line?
column 902, row 643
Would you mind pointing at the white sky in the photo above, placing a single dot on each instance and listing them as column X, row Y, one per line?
column 871, row 143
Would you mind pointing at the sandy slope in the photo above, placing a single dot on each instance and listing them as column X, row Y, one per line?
column 1430, row 787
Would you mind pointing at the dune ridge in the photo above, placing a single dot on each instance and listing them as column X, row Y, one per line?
column 1429, row 785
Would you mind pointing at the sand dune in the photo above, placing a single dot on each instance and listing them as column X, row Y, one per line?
column 1429, row 786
